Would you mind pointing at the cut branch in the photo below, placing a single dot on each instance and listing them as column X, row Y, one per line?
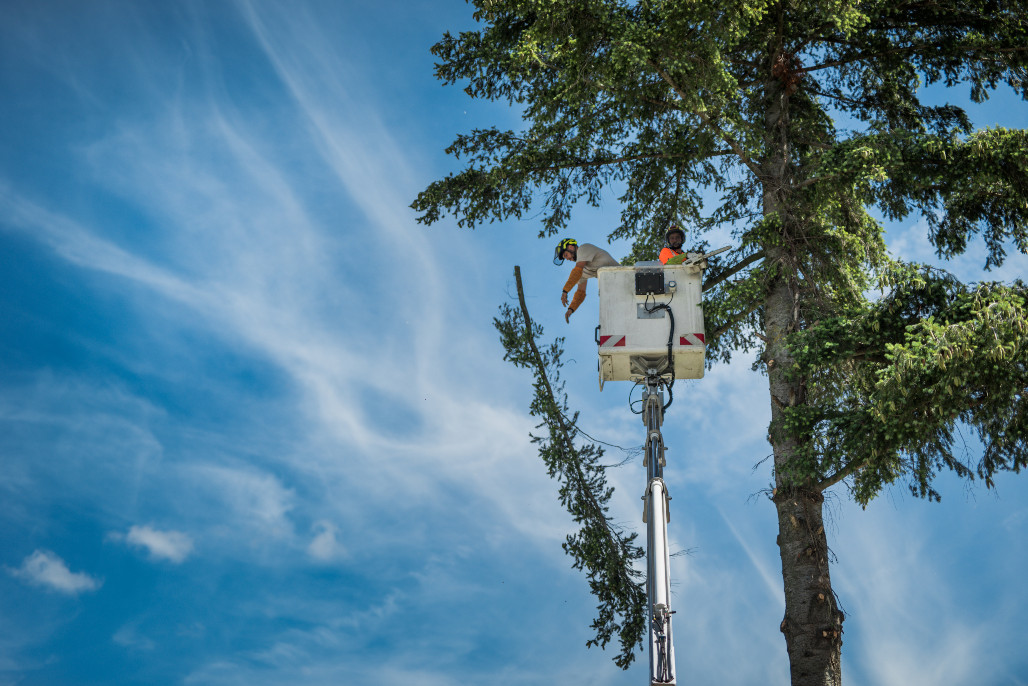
column 599, row 548
column 565, row 430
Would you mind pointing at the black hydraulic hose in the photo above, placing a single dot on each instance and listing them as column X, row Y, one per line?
column 670, row 343
column 670, row 359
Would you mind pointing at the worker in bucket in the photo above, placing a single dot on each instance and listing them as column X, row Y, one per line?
column 587, row 258
column 672, row 250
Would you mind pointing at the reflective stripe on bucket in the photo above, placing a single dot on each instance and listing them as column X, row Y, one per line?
column 612, row 341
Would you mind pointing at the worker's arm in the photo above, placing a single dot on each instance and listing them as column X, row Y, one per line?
column 575, row 277
column 576, row 301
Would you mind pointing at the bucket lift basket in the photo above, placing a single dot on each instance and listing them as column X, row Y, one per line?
column 633, row 331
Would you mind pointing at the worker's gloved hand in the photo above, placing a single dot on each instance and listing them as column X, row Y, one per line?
column 567, row 315
column 564, row 298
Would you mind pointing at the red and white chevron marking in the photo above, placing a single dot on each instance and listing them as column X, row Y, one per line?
column 692, row 339
column 612, row 341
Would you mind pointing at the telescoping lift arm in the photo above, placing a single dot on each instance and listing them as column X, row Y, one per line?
column 656, row 514
column 651, row 331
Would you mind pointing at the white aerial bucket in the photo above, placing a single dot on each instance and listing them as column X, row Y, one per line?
column 633, row 331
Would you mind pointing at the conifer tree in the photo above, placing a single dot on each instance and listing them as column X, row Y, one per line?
column 803, row 118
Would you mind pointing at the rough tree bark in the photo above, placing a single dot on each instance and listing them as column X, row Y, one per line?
column 812, row 624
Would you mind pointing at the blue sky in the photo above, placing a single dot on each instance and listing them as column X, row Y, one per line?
column 254, row 423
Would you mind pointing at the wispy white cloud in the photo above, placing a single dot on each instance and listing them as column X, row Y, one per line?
column 44, row 568
column 77, row 245
column 173, row 546
column 246, row 505
column 763, row 566
column 97, row 436
column 325, row 545
column 260, row 285
column 913, row 614
column 128, row 636
column 245, row 248
column 324, row 656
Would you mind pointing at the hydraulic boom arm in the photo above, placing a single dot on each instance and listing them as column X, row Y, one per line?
column 656, row 514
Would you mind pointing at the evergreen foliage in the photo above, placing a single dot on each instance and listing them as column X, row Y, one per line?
column 897, row 378
column 671, row 102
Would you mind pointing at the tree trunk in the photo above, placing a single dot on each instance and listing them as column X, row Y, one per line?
column 812, row 624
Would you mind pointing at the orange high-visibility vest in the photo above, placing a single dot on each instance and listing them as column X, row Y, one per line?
column 667, row 253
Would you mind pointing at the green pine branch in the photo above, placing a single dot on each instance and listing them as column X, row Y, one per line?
column 599, row 547
column 892, row 383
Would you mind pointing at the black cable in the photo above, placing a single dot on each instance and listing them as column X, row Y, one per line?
column 670, row 340
column 630, row 401
column 578, row 429
column 670, row 344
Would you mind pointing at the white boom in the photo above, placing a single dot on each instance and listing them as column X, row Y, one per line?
column 656, row 514
column 651, row 327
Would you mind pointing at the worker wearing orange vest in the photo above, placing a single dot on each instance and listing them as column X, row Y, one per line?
column 673, row 240
column 587, row 258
